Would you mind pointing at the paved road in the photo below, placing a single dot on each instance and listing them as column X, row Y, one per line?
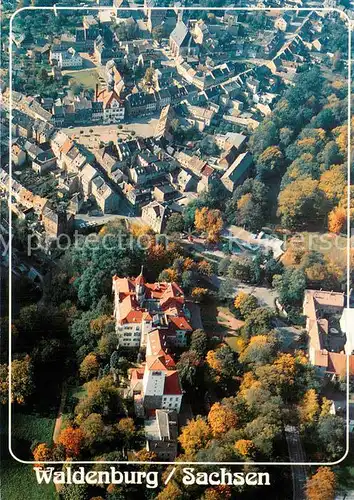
column 265, row 296
column 102, row 219
column 296, row 454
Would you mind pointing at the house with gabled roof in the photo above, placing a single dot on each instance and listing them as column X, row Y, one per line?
column 181, row 41
column 156, row 384
column 112, row 105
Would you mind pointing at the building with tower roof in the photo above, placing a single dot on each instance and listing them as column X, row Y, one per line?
column 181, row 41
column 140, row 307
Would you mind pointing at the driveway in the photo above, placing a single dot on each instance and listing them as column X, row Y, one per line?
column 265, row 296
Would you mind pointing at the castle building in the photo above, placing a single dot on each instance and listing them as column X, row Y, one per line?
column 141, row 307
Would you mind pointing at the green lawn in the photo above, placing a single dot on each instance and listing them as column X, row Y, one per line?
column 18, row 482
column 87, row 78
column 31, row 428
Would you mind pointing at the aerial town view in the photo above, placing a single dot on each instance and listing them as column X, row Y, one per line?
column 178, row 190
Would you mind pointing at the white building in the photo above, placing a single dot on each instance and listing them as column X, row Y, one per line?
column 70, row 59
column 113, row 106
column 156, row 385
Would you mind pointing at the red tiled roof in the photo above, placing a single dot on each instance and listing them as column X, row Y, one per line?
column 207, row 170
column 337, row 363
column 68, row 144
column 172, row 384
column 180, row 322
column 107, row 97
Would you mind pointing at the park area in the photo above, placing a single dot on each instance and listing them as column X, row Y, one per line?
column 18, row 480
column 86, row 78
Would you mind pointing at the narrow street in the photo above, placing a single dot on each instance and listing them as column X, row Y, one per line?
column 296, row 455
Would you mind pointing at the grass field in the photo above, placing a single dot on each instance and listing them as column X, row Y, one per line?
column 31, row 428
column 18, row 480
column 330, row 245
column 87, row 78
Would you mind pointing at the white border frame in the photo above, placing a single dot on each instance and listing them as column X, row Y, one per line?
column 245, row 9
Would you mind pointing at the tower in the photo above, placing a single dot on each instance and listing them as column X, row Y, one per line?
column 140, row 287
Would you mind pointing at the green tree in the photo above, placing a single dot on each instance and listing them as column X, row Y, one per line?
column 175, row 224
column 258, row 322
column 199, row 342
column 75, row 492
column 260, row 350
column 331, row 433
column 290, row 286
column 187, row 367
column 245, row 304
column 93, row 429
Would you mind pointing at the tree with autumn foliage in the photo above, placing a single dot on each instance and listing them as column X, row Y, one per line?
column 221, row 419
column 171, row 492
column 322, row 485
column 157, row 258
column 337, row 219
column 4, row 384
column 195, row 436
column 245, row 448
column 102, row 396
column 300, row 202
column 21, row 380
column 144, row 455
column 222, row 361
column 169, row 275
column 219, row 492
column 260, row 350
column 72, row 439
column 270, row 162
column 209, row 221
column 126, row 428
column 42, row 453
column 89, row 366
column 309, row 408
column 333, row 183
column 200, row 294
column 245, row 304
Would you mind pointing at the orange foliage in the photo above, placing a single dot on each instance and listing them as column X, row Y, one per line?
column 322, row 485
column 245, row 447
column 221, row 419
column 333, row 182
column 144, row 456
column 218, row 492
column 72, row 439
column 209, row 221
column 205, row 268
column 337, row 219
column 42, row 453
column 195, row 435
